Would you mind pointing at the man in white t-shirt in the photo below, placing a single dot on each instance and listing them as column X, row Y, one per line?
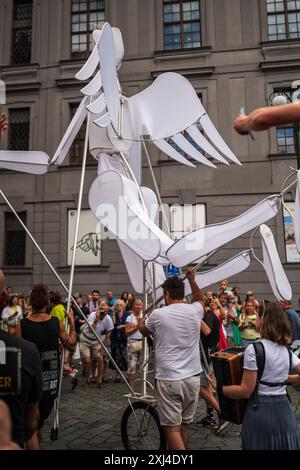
column 176, row 329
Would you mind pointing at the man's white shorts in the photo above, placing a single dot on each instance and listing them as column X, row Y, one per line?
column 177, row 400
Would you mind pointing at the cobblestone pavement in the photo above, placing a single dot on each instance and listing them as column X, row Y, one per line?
column 90, row 419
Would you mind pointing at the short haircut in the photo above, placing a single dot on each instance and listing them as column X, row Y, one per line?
column 39, row 297
column 55, row 297
column 14, row 296
column 175, row 286
column 95, row 291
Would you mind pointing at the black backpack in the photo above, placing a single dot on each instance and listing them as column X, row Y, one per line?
column 260, row 361
column 213, row 338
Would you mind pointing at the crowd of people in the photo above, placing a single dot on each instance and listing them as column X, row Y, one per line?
column 223, row 319
column 36, row 326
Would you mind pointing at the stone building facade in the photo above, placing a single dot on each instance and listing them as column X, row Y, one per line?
column 239, row 62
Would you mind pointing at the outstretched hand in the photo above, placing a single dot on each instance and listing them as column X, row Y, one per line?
column 240, row 124
column 212, row 380
column 190, row 274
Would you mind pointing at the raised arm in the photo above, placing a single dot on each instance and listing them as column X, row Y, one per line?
column 263, row 118
column 68, row 340
column 198, row 296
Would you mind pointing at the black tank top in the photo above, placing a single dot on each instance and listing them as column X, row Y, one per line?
column 45, row 336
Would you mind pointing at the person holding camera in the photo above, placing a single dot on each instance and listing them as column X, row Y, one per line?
column 89, row 345
column 247, row 321
column 231, row 316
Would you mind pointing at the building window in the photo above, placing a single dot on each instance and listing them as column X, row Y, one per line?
column 285, row 140
column 19, row 128
column 14, row 240
column 77, row 149
column 186, row 218
column 182, row 27
column 87, row 15
column 283, row 19
column 21, row 32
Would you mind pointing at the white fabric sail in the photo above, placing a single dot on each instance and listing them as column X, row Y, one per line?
column 114, row 200
column 134, row 263
column 215, row 137
column 200, row 140
column 94, row 86
column 235, row 265
column 278, row 280
column 165, row 147
column 169, row 107
column 198, row 243
column 109, row 76
column 91, row 64
column 70, row 133
column 190, row 150
column 98, row 106
column 296, row 218
column 33, row 162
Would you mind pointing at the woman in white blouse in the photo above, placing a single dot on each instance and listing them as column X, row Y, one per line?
column 11, row 315
column 271, row 425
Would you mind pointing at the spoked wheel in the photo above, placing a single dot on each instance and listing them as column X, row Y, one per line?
column 140, row 428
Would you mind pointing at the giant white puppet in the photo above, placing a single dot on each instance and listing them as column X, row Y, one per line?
column 169, row 115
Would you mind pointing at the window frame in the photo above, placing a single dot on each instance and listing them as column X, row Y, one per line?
column 18, row 109
column 18, row 25
column 181, row 23
column 73, row 106
column 286, row 13
column 24, row 217
column 285, row 138
column 87, row 32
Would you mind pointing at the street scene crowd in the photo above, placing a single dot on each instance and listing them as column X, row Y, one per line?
column 229, row 319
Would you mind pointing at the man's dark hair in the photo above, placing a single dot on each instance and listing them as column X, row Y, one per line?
column 55, row 297
column 95, row 291
column 39, row 297
column 175, row 286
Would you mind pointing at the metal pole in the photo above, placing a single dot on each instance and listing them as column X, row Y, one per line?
column 145, row 343
column 72, row 270
column 153, row 305
column 157, row 190
column 131, row 174
column 63, row 285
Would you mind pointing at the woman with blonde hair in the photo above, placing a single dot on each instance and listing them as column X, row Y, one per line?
column 269, row 422
column 247, row 324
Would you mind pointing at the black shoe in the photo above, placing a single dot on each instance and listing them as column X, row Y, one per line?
column 209, row 422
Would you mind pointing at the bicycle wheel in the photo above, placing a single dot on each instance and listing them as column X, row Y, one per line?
column 140, row 428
